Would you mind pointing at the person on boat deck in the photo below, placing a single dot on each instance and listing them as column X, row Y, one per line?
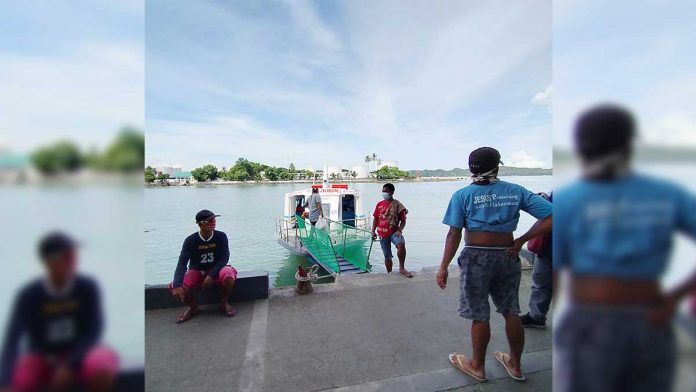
column 489, row 210
column 60, row 315
column 542, row 284
column 388, row 223
column 314, row 204
column 206, row 253
column 613, row 240
column 299, row 212
column 299, row 209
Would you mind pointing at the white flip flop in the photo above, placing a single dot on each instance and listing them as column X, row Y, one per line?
column 501, row 358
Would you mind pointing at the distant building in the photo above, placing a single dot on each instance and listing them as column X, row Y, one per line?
column 388, row 163
column 15, row 167
column 181, row 177
column 166, row 169
column 331, row 170
column 360, row 171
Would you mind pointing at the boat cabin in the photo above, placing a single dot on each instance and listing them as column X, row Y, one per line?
column 339, row 203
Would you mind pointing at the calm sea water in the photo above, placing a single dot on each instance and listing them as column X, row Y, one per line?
column 248, row 213
column 108, row 221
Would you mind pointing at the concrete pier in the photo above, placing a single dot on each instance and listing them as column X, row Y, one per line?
column 371, row 332
column 249, row 286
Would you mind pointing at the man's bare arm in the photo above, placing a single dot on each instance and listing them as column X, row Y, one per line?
column 454, row 238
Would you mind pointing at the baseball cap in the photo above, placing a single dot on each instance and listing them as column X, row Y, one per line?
column 484, row 159
column 204, row 215
column 55, row 243
column 604, row 129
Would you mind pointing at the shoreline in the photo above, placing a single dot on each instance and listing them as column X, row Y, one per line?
column 180, row 183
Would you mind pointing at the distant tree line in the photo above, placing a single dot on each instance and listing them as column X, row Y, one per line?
column 504, row 171
column 246, row 170
column 390, row 173
column 125, row 154
column 152, row 176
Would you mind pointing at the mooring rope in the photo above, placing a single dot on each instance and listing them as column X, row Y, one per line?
column 312, row 275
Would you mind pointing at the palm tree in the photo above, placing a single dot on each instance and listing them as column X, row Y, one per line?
column 375, row 160
column 371, row 158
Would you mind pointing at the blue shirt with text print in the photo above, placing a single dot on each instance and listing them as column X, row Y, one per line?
column 494, row 207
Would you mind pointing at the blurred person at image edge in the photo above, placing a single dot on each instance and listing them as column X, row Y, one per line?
column 614, row 235
column 61, row 316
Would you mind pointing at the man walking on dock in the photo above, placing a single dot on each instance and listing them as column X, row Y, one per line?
column 388, row 223
column 489, row 210
column 314, row 204
column 202, row 263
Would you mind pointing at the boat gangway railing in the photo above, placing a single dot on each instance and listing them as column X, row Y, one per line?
column 287, row 230
column 339, row 250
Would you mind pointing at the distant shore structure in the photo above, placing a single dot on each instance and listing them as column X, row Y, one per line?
column 15, row 167
column 383, row 163
column 172, row 171
column 360, row 171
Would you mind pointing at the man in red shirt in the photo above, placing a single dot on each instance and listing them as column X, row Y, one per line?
column 388, row 223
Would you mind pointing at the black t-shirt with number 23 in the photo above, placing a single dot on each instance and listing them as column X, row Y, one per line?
column 202, row 255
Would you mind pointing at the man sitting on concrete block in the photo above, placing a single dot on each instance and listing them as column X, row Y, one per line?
column 202, row 263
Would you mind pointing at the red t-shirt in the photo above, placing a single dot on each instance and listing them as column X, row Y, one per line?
column 383, row 229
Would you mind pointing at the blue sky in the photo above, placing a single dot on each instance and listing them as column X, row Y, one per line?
column 70, row 70
column 638, row 53
column 327, row 82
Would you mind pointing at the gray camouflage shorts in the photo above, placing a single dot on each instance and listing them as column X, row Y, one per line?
column 612, row 348
column 485, row 272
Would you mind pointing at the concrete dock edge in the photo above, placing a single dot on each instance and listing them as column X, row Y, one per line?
column 250, row 286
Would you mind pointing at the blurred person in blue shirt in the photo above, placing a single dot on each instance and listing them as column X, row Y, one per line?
column 488, row 210
column 613, row 234
column 60, row 316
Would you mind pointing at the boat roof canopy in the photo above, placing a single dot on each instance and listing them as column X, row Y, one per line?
column 334, row 189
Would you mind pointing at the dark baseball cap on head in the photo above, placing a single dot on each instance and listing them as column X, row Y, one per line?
column 484, row 159
column 604, row 129
column 55, row 243
column 204, row 215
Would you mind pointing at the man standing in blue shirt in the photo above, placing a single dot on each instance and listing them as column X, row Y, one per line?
column 489, row 210
column 613, row 238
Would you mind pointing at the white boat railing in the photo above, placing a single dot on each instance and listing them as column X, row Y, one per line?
column 287, row 230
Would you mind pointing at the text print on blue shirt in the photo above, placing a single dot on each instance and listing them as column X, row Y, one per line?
column 495, row 201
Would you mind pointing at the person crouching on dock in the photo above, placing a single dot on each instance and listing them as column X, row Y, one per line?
column 489, row 210
column 206, row 253
column 388, row 223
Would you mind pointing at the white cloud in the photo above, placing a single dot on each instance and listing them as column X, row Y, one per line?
column 85, row 95
column 306, row 18
column 524, row 159
column 632, row 57
column 425, row 85
column 676, row 130
column 544, row 98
